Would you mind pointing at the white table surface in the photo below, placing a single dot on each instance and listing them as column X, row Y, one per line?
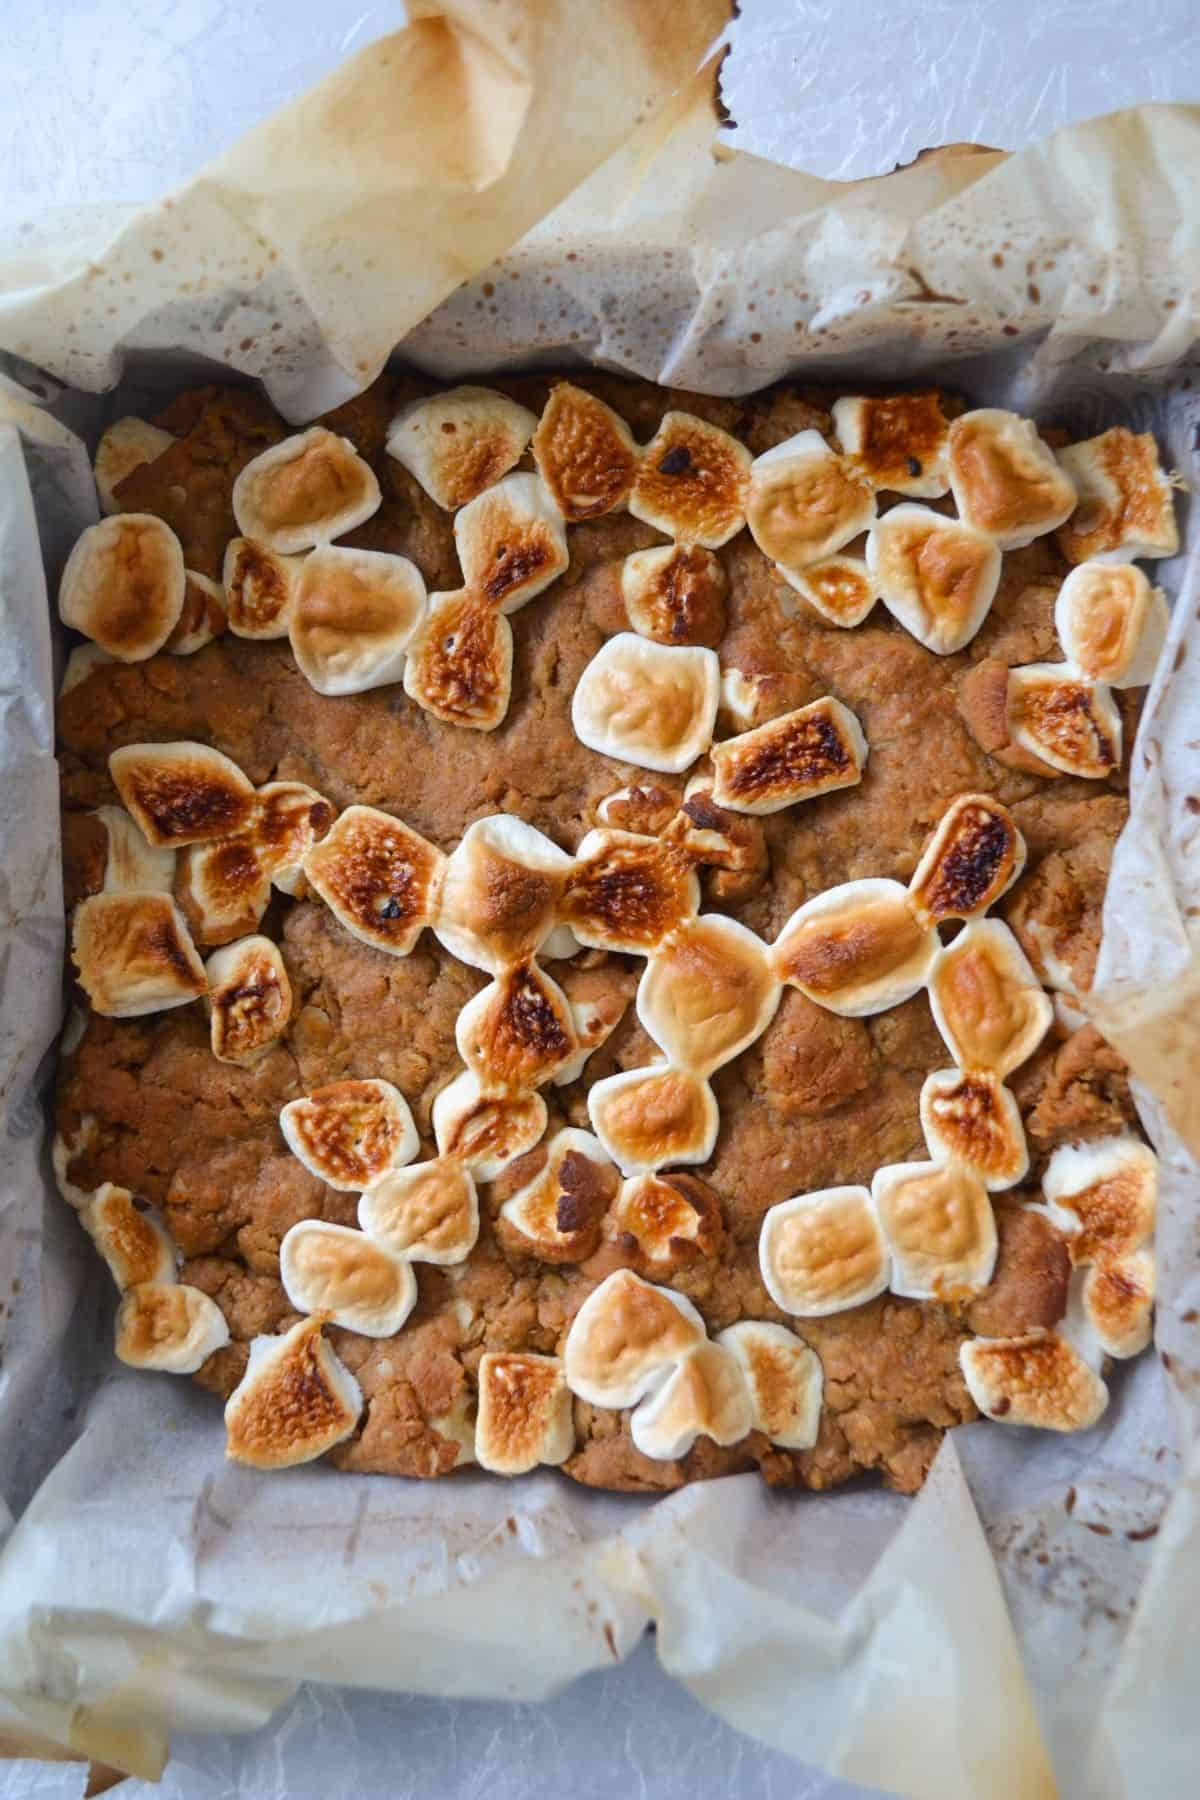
column 117, row 99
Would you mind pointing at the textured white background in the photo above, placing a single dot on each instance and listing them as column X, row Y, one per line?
column 117, row 99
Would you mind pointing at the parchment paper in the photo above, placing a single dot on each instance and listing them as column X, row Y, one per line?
column 150, row 1586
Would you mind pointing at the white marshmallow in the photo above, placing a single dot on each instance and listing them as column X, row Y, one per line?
column 1033, row 1380
column 203, row 617
column 350, row 1134
column 264, row 1427
column 936, row 576
column 352, row 618
column 623, row 1338
column 333, row 1270
column 1117, row 1299
column 705, row 1395
column 841, row 588
column 644, row 703
column 307, row 490
column 823, row 1252
column 459, row 442
column 131, row 865
column 222, row 888
column 79, row 665
column 65, row 1148
column 785, row 1379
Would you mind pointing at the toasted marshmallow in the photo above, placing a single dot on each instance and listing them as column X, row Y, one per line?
column 459, row 442
column 378, row 878
column 82, row 660
column 856, row 949
column 644, row 810
column 823, row 1252
column 972, row 1118
column 705, row 1395
column 645, row 703
column 169, row 1326
column 557, row 1215
column 1068, row 722
column 986, row 1000
column 808, row 752
column 524, row 1412
column 585, row 453
column 1111, row 623
column 899, row 441
column 517, row 1032
column 1033, row 1380
column 202, row 617
column 624, row 1335
column 291, row 819
column 296, row 1400
column 1118, row 1303
column 353, row 615
column 499, row 900
column 806, row 502
column 222, row 888
column 134, row 955
column 692, row 482
column 123, row 585
column 732, row 843
column 183, row 793
column 1126, row 506
column 350, row 1134
column 973, row 857
column 937, row 576
column 785, row 1380
column 459, row 662
column 628, row 893
column 511, row 543
column 428, row 1212
column 1103, row 1196
column 708, row 993
column 260, row 589
column 841, row 588
column 307, row 490
column 665, row 1220
column 134, row 1244
column 940, row 1229
column 486, row 1132
column 345, row 1275
column 251, row 1000
column 128, row 444
column 66, row 1150
column 675, row 594
column 131, row 865
column 598, row 1003
column 1005, row 480
column 457, row 1425
column 647, row 1118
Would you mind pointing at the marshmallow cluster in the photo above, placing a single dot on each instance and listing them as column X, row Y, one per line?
column 635, row 1344
column 1102, row 1197
column 924, row 1229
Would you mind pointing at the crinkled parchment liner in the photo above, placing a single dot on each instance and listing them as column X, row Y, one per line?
column 150, row 1586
